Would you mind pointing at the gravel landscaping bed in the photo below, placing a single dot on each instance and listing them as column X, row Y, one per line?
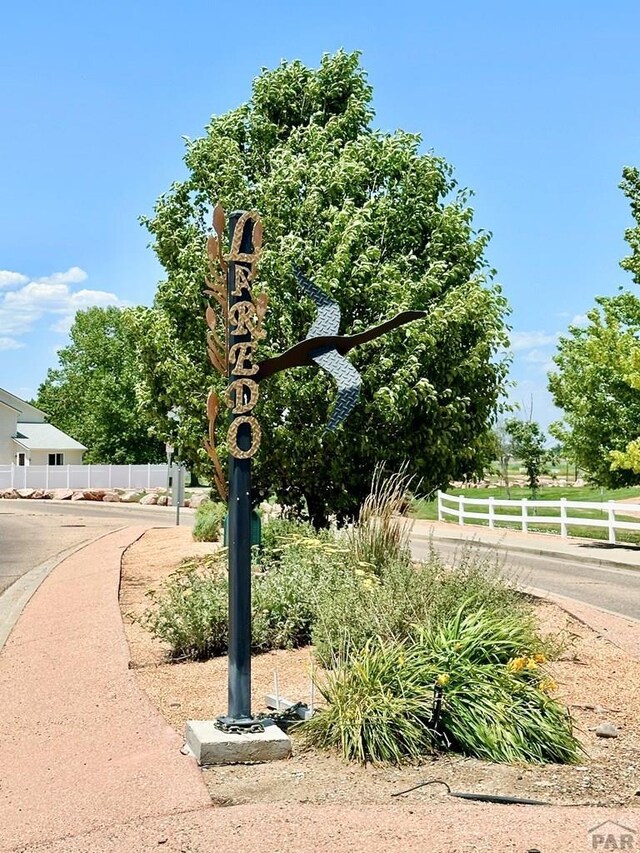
column 597, row 680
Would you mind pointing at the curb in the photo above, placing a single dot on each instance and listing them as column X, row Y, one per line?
column 567, row 603
column 14, row 599
column 505, row 545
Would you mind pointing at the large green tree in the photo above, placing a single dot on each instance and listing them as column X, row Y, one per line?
column 92, row 393
column 380, row 227
column 597, row 381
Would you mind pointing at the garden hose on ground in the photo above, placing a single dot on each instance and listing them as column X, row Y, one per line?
column 484, row 798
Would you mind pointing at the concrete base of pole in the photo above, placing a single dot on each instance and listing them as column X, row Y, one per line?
column 210, row 745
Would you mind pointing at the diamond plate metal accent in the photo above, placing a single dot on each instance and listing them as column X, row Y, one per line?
column 328, row 320
column 346, row 376
column 348, row 381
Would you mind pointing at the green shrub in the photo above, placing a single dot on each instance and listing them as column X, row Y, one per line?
column 277, row 530
column 470, row 686
column 355, row 604
column 209, row 521
column 190, row 611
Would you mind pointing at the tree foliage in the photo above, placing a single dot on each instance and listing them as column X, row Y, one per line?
column 378, row 226
column 630, row 186
column 597, row 381
column 91, row 395
column 528, row 445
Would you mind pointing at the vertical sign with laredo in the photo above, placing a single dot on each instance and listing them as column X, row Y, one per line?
column 231, row 286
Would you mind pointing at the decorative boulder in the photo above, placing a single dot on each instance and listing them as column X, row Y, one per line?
column 111, row 497
column 149, row 500
column 25, row 493
column 130, row 497
column 10, row 494
column 63, row 494
column 93, row 494
column 197, row 499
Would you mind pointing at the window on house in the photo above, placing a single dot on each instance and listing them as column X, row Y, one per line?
column 22, row 458
column 56, row 459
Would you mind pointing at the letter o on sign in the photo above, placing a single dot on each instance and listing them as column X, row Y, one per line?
column 232, row 437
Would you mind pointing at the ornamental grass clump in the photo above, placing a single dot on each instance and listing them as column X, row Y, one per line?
column 382, row 532
column 462, row 687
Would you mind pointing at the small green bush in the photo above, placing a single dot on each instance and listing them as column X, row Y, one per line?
column 358, row 604
column 209, row 521
column 470, row 686
column 277, row 530
column 190, row 611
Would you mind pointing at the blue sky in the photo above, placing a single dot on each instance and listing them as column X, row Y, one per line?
column 536, row 105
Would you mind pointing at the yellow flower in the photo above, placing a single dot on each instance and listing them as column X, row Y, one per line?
column 539, row 658
column 548, row 685
column 517, row 664
column 443, row 679
column 531, row 664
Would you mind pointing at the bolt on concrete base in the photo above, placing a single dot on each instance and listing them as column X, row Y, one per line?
column 210, row 745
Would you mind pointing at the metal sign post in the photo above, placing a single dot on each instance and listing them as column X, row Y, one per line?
column 178, row 489
column 230, row 286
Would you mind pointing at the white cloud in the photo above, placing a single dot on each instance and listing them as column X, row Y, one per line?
column 536, row 356
column 74, row 275
column 12, row 279
column 579, row 320
column 533, row 339
column 9, row 343
column 22, row 309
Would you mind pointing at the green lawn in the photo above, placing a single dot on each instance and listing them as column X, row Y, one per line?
column 429, row 509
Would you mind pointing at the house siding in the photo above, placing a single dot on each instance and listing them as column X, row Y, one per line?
column 8, row 419
column 41, row 457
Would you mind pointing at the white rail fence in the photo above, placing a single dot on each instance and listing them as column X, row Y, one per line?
column 83, row 476
column 525, row 512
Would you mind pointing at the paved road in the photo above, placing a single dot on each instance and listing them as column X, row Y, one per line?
column 31, row 533
column 617, row 590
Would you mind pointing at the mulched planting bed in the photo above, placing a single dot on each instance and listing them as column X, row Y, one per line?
column 598, row 681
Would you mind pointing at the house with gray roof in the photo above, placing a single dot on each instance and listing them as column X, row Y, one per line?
column 27, row 439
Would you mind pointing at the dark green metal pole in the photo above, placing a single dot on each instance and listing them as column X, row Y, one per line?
column 239, row 539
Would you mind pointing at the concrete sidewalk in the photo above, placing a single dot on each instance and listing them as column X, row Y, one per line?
column 598, row 553
column 87, row 765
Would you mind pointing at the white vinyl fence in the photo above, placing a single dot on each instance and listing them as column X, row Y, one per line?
column 524, row 512
column 82, row 476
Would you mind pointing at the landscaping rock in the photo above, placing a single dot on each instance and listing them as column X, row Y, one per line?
column 196, row 500
column 25, row 493
column 93, row 494
column 164, row 500
column 149, row 500
column 111, row 497
column 63, row 494
column 39, row 495
column 10, row 494
column 130, row 497
column 77, row 496
column 606, row 730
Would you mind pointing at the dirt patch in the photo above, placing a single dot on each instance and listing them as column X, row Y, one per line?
column 597, row 680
